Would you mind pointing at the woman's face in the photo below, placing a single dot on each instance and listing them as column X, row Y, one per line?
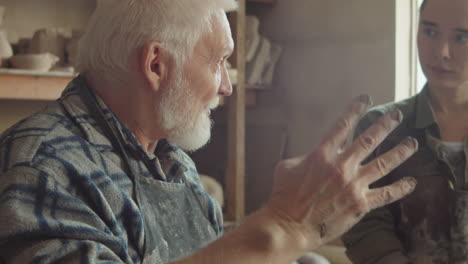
column 443, row 42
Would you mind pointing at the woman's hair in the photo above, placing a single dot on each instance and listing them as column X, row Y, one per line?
column 423, row 4
column 119, row 29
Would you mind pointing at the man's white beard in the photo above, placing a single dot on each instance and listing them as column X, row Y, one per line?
column 188, row 130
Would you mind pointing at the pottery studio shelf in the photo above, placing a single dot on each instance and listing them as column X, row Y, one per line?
column 29, row 85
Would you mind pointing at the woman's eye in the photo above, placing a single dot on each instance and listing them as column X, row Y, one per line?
column 462, row 38
column 429, row 32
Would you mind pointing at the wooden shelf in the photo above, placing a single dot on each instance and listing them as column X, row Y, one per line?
column 30, row 85
column 26, row 85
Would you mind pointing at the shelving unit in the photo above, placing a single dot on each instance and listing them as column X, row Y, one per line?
column 30, row 85
column 236, row 125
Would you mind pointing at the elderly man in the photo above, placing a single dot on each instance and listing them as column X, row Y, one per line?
column 100, row 175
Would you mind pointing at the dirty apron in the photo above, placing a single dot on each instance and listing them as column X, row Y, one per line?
column 175, row 224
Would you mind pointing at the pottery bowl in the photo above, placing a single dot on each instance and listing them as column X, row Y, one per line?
column 41, row 62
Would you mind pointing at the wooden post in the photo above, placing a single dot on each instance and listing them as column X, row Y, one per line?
column 235, row 174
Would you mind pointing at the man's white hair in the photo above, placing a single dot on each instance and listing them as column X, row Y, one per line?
column 119, row 29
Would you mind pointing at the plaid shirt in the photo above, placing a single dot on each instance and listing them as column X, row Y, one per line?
column 65, row 194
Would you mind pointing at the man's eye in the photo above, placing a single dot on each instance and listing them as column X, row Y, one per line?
column 461, row 38
column 429, row 32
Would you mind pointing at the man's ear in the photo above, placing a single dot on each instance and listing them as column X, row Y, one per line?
column 153, row 64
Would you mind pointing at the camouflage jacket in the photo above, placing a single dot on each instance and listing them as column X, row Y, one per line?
column 431, row 224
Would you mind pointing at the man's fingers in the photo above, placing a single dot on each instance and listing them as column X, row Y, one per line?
column 385, row 163
column 373, row 136
column 382, row 196
column 343, row 128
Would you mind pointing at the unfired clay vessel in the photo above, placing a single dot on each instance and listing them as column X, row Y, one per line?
column 71, row 47
column 48, row 40
column 5, row 49
column 41, row 62
column 23, row 45
column 213, row 188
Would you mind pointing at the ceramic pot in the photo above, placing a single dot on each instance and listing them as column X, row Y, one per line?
column 6, row 51
column 41, row 62
column 48, row 40
column 23, row 45
column 213, row 188
column 72, row 47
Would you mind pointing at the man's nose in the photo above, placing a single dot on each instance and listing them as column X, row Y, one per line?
column 225, row 88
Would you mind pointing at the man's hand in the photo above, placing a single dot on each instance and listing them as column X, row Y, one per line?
column 318, row 197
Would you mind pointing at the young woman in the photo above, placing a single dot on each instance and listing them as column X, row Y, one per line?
column 431, row 224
